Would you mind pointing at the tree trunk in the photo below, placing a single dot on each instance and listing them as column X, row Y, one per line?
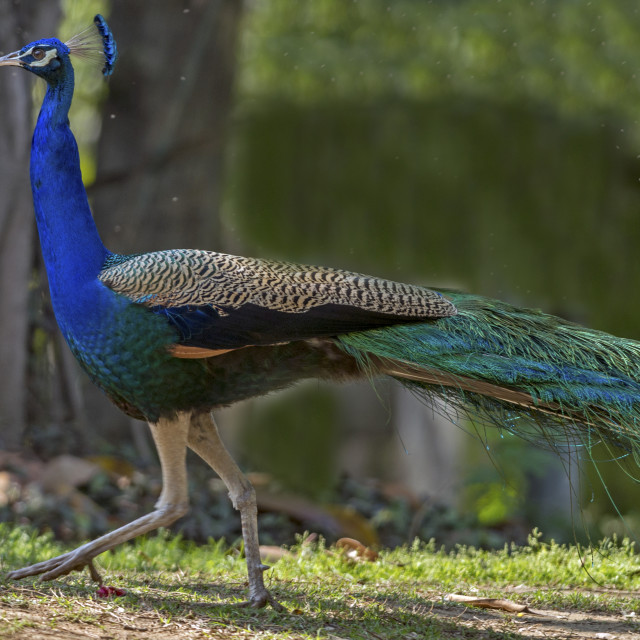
column 163, row 137
column 20, row 22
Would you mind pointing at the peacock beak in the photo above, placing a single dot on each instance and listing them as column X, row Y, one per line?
column 11, row 60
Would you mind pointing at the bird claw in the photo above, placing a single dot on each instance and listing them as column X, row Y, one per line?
column 259, row 597
column 93, row 572
column 262, row 600
column 58, row 566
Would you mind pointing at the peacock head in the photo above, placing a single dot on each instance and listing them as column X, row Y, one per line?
column 49, row 57
column 46, row 58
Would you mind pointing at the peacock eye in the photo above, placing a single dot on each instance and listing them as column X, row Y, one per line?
column 38, row 54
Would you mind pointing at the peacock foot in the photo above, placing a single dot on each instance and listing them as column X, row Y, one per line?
column 75, row 560
column 259, row 596
column 164, row 515
column 260, row 600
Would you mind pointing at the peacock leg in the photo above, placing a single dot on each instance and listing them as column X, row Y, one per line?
column 170, row 437
column 204, row 440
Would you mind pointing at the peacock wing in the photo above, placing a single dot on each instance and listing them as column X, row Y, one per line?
column 219, row 301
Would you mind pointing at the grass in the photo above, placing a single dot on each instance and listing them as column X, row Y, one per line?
column 179, row 589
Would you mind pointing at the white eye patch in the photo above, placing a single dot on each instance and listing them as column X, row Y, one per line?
column 49, row 54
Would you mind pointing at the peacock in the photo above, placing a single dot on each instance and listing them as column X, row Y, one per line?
column 170, row 335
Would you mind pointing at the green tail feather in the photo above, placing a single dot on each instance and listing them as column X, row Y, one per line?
column 504, row 364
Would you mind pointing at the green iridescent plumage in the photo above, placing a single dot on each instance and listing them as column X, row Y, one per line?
column 502, row 363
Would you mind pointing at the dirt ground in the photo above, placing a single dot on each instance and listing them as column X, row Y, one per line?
column 550, row 624
column 109, row 621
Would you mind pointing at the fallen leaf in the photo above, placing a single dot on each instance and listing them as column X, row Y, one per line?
column 355, row 550
column 492, row 603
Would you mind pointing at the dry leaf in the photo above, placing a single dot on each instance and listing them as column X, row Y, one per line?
column 355, row 550
column 491, row 603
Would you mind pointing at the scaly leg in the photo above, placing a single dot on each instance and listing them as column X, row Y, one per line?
column 204, row 440
column 170, row 437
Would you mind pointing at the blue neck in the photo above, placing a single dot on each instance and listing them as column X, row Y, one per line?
column 72, row 249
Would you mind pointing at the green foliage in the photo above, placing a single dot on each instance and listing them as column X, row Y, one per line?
column 493, row 502
column 580, row 57
column 24, row 545
column 612, row 563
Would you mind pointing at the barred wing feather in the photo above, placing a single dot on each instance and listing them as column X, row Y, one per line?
column 220, row 301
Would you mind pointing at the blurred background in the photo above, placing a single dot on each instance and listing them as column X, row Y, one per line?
column 477, row 144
